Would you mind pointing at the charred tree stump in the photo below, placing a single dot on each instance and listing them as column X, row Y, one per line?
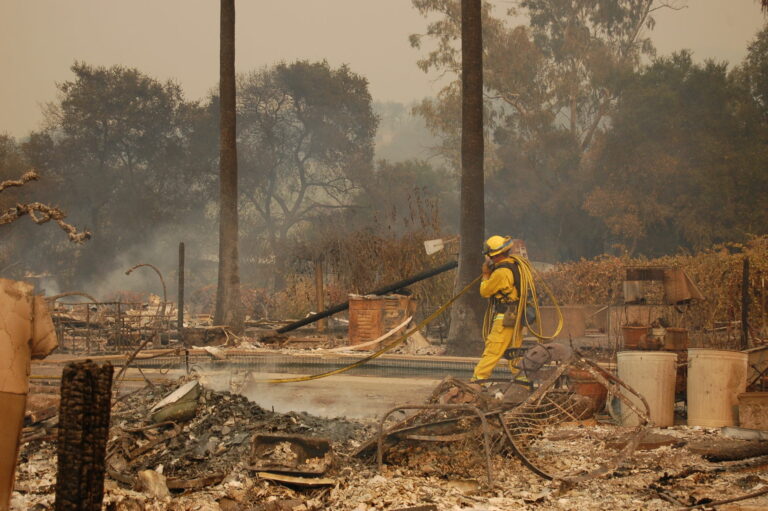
column 86, row 391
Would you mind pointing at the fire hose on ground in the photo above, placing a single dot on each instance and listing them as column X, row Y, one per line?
column 527, row 283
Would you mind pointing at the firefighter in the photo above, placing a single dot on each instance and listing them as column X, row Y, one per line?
column 26, row 332
column 501, row 284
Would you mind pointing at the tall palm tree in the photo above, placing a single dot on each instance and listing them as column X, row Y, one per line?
column 228, row 305
column 464, row 336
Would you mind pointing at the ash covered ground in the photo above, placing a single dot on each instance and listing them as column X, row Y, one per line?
column 210, row 455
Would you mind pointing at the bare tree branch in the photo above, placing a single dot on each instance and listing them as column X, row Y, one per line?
column 28, row 176
column 41, row 213
column 674, row 7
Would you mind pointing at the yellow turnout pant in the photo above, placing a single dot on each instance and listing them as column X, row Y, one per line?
column 500, row 338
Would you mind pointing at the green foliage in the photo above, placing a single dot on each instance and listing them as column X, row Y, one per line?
column 305, row 138
column 127, row 157
column 551, row 86
column 564, row 68
column 591, row 152
column 13, row 163
column 683, row 164
column 754, row 71
column 116, row 156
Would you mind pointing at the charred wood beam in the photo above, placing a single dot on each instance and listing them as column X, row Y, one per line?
column 733, row 450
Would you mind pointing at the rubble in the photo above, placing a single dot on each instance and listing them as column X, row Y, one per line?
column 290, row 454
column 215, row 441
column 178, row 406
column 153, row 484
column 205, row 463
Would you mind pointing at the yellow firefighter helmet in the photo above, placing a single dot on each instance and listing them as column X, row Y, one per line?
column 495, row 245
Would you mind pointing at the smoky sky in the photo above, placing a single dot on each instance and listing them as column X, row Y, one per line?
column 178, row 39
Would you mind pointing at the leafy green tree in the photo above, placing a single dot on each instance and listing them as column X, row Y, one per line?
column 752, row 74
column 565, row 68
column 683, row 165
column 550, row 88
column 306, row 135
column 116, row 156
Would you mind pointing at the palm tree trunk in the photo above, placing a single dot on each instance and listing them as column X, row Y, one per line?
column 228, row 304
column 464, row 337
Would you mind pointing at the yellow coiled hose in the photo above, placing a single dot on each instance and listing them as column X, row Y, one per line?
column 528, row 276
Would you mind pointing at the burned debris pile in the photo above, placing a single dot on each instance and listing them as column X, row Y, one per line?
column 567, row 425
column 214, row 441
column 190, row 452
column 232, row 454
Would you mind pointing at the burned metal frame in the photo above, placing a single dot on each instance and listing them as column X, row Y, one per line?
column 612, row 383
column 470, row 408
column 111, row 322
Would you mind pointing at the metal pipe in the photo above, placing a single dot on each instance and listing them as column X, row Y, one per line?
column 319, row 293
column 381, row 291
column 159, row 320
column 180, row 304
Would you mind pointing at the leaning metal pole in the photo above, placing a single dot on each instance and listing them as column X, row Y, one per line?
column 380, row 291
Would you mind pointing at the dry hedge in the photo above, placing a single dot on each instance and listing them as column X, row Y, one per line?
column 717, row 272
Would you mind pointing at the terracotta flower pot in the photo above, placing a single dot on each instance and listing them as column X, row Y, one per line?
column 633, row 335
column 582, row 383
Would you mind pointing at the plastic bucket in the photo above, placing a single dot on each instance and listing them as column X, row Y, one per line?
column 715, row 380
column 652, row 375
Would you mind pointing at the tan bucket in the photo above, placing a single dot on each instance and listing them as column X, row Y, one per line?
column 715, row 380
column 652, row 375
